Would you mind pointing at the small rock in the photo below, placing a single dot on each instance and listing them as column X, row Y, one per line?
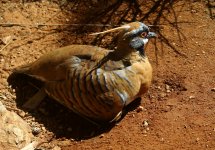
column 43, row 128
column 203, row 52
column 162, row 95
column 19, row 134
column 36, row 130
column 158, row 87
column 168, row 91
column 21, row 113
column 213, row 89
column 15, row 132
column 56, row 148
column 145, row 123
column 144, row 131
column 167, row 87
column 7, row 39
column 2, row 108
column 2, row 60
column 194, row 11
column 101, row 136
column 3, row 97
column 139, row 109
column 197, row 139
column 72, row 139
column 191, row 97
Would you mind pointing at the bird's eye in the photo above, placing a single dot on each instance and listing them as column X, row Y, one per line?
column 144, row 34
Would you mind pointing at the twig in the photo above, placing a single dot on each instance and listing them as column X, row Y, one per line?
column 41, row 24
column 6, row 44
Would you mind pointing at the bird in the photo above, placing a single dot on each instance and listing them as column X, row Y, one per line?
column 94, row 82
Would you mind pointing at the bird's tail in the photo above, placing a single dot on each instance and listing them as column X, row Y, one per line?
column 24, row 69
column 17, row 73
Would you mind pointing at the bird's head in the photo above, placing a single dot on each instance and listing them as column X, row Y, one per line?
column 132, row 37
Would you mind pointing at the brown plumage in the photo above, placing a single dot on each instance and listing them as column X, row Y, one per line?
column 94, row 82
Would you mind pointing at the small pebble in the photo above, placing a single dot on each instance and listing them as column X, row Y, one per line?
column 3, row 97
column 191, row 97
column 56, row 148
column 168, row 91
column 193, row 11
column 158, row 87
column 167, row 87
column 101, row 136
column 2, row 60
column 197, row 139
column 145, row 123
column 145, row 131
column 213, row 89
column 140, row 108
column 36, row 130
column 21, row 113
column 43, row 128
column 162, row 95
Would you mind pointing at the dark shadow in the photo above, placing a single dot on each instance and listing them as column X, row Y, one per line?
column 119, row 12
column 55, row 117
column 211, row 8
column 97, row 16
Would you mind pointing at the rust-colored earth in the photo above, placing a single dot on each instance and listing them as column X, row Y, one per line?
column 179, row 109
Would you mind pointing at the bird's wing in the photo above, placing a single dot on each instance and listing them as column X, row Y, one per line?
column 53, row 65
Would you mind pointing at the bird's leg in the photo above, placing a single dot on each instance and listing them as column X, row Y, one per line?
column 34, row 101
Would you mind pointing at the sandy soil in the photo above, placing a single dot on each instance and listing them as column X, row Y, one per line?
column 179, row 109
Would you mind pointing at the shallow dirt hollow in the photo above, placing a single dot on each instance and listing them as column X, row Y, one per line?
column 179, row 109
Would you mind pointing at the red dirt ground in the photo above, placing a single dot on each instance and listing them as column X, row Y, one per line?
column 179, row 107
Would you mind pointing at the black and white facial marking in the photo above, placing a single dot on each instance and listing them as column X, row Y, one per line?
column 138, row 43
column 136, row 32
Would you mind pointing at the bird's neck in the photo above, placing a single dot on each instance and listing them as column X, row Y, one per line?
column 123, row 51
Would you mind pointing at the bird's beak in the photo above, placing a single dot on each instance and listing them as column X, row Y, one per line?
column 151, row 35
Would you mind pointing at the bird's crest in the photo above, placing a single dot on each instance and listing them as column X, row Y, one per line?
column 133, row 28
